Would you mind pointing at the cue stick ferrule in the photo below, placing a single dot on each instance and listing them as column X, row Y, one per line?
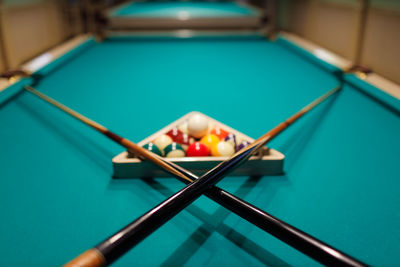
column 90, row 258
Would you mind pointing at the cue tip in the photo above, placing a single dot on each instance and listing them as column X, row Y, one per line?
column 89, row 258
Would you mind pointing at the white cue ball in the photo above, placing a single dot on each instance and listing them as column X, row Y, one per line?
column 162, row 141
column 197, row 126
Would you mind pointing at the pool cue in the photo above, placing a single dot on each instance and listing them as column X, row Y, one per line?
column 115, row 246
column 290, row 235
column 273, row 225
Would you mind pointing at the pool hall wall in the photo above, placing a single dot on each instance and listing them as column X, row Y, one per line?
column 381, row 48
column 2, row 61
column 2, row 58
column 336, row 24
column 30, row 27
column 2, row 53
column 331, row 25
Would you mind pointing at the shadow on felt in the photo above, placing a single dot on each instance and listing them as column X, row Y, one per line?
column 83, row 144
column 299, row 140
column 214, row 223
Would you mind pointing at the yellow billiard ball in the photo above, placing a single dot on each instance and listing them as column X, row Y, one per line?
column 209, row 140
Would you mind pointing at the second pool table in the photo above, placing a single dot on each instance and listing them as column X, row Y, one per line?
column 183, row 15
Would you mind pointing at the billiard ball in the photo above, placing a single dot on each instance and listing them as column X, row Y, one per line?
column 223, row 148
column 174, row 150
column 242, row 145
column 197, row 126
column 183, row 127
column 209, row 140
column 162, row 141
column 174, row 133
column 218, row 131
column 184, row 140
column 197, row 149
column 233, row 139
column 153, row 148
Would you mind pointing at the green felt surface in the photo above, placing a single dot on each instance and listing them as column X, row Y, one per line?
column 192, row 9
column 58, row 198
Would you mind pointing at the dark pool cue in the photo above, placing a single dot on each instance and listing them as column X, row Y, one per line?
column 290, row 235
column 274, row 226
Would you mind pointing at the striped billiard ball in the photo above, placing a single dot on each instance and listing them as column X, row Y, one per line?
column 218, row 131
column 153, row 148
column 174, row 150
column 183, row 127
column 233, row 139
column 162, row 141
column 184, row 140
column 242, row 145
column 174, row 133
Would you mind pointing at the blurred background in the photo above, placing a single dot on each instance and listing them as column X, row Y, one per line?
column 365, row 32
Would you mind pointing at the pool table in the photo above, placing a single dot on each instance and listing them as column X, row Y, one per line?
column 183, row 14
column 341, row 179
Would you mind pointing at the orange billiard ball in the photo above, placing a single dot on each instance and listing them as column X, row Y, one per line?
column 218, row 131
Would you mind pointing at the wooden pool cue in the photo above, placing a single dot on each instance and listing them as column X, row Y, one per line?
column 292, row 236
column 288, row 234
column 283, row 231
column 115, row 246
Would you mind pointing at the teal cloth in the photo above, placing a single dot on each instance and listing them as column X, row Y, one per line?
column 58, row 198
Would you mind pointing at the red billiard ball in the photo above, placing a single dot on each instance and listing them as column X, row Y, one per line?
column 174, row 133
column 184, row 140
column 197, row 149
